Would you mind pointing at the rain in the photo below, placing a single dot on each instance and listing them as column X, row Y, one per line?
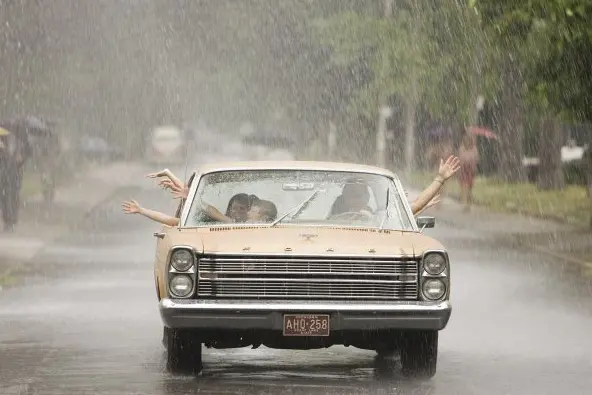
column 463, row 129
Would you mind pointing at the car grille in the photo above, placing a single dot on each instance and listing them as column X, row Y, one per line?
column 271, row 277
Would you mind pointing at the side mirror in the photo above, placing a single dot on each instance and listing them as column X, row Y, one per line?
column 426, row 222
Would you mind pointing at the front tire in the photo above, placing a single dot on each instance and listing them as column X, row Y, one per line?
column 419, row 354
column 183, row 351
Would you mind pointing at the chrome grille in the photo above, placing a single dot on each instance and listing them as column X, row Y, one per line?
column 269, row 277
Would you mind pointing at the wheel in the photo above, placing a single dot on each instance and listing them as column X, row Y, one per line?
column 419, row 354
column 183, row 351
column 385, row 352
column 165, row 334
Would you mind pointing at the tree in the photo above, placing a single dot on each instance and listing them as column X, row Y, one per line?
column 543, row 42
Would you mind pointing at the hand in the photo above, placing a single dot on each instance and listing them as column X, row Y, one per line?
column 162, row 173
column 166, row 183
column 131, row 207
column 448, row 168
column 179, row 192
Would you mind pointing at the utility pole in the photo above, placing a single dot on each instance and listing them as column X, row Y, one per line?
column 384, row 110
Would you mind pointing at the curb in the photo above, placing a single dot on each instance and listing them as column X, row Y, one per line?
column 585, row 265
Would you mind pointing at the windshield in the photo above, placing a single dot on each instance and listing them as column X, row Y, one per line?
column 298, row 197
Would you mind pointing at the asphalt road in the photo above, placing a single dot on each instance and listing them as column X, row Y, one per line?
column 87, row 323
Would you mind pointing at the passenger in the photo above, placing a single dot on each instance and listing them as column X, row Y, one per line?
column 353, row 198
column 239, row 206
column 260, row 211
column 355, row 195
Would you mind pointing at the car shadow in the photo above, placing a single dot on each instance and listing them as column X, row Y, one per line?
column 369, row 376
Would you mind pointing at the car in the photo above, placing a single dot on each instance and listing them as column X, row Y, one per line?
column 167, row 146
column 311, row 278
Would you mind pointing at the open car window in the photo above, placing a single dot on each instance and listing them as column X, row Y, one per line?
column 288, row 189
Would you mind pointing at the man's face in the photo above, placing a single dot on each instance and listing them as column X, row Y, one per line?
column 239, row 211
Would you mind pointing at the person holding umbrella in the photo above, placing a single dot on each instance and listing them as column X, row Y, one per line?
column 14, row 151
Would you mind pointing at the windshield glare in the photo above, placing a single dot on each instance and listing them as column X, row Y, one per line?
column 307, row 197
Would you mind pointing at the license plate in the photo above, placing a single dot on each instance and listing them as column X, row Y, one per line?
column 306, row 325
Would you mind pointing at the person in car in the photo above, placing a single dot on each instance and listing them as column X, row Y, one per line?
column 354, row 198
column 240, row 206
column 260, row 211
column 355, row 195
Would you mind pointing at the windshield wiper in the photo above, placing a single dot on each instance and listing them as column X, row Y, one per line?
column 298, row 209
column 386, row 209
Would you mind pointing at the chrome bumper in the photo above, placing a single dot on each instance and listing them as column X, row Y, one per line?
column 244, row 315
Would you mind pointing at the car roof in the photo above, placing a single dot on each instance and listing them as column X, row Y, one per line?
column 293, row 165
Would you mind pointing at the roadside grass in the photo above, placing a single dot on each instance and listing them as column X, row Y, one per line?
column 31, row 185
column 571, row 205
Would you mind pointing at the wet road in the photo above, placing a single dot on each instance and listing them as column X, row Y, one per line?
column 88, row 324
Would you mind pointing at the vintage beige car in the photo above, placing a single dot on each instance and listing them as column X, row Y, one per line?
column 344, row 262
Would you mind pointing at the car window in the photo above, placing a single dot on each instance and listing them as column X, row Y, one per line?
column 288, row 189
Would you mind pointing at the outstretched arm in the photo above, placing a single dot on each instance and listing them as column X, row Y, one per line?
column 169, row 174
column 133, row 207
column 447, row 170
column 214, row 213
column 432, row 203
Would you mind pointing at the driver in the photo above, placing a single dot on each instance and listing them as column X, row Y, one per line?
column 354, row 198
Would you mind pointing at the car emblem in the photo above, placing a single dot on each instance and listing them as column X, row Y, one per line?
column 308, row 236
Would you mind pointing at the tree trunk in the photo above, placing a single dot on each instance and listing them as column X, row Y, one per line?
column 511, row 128
column 550, row 173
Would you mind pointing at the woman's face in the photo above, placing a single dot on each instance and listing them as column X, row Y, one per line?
column 238, row 211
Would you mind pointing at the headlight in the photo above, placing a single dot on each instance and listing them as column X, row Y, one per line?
column 182, row 260
column 433, row 289
column 434, row 263
column 181, row 285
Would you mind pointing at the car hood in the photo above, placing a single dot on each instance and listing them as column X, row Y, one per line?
column 304, row 241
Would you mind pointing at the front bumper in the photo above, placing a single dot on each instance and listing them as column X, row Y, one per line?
column 246, row 315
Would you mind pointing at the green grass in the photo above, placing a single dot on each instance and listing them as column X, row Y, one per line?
column 570, row 205
column 31, row 184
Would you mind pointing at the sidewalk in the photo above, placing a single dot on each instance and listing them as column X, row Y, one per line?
column 39, row 226
column 559, row 240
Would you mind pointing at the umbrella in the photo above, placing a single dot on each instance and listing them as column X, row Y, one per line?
column 480, row 131
column 439, row 131
column 29, row 125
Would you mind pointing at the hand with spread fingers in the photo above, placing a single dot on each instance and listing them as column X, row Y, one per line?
column 179, row 192
column 169, row 177
column 449, row 168
column 131, row 207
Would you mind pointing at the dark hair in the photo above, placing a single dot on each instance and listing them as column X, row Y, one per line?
column 355, row 186
column 241, row 198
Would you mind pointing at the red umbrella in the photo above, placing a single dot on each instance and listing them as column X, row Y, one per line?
column 480, row 131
